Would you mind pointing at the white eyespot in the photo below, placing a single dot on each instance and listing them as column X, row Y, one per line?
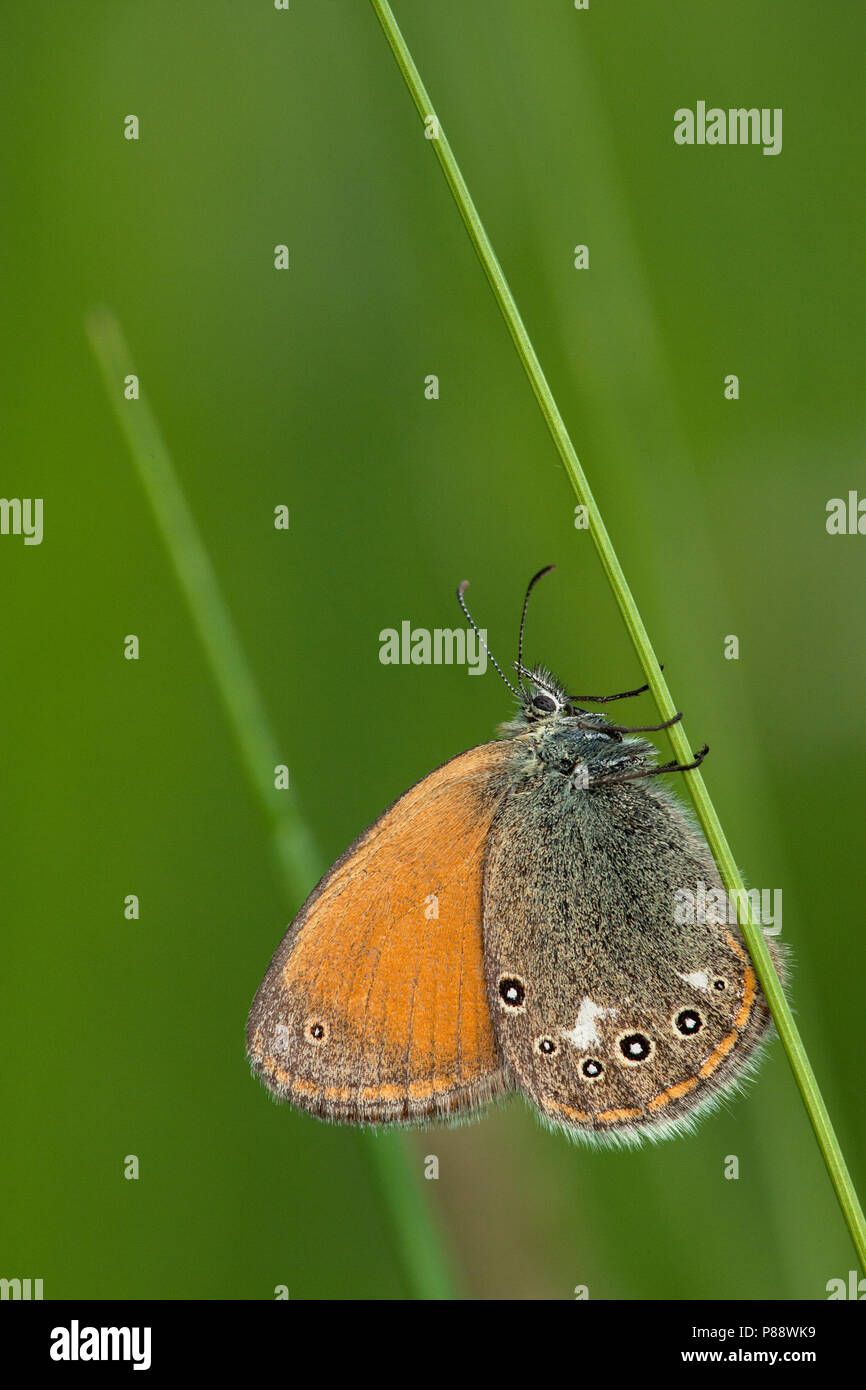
column 591, row 1069
column 512, row 993
column 635, row 1047
column 688, row 1022
column 585, row 1032
column 316, row 1031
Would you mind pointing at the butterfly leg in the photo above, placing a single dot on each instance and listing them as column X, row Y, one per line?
column 673, row 766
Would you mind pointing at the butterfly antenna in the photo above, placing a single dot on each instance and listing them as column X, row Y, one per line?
column 472, row 623
column 532, row 583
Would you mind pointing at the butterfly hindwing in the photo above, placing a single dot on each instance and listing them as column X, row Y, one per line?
column 617, row 1020
column 374, row 1007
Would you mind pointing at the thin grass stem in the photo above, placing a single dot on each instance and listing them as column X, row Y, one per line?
column 784, row 1020
column 298, row 859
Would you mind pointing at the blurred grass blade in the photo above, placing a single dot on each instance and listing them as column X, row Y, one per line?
column 299, row 861
column 793, row 1043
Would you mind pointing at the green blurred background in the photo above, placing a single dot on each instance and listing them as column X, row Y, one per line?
column 307, row 388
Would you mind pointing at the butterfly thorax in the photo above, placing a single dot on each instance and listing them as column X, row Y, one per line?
column 554, row 735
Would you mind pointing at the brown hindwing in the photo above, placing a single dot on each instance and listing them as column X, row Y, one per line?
column 616, row 1019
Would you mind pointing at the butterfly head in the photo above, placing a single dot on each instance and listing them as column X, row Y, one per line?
column 544, row 702
column 541, row 694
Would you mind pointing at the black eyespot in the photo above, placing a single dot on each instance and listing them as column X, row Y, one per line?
column 688, row 1022
column 544, row 702
column 512, row 992
column 635, row 1047
column 591, row 1068
column 546, row 1045
column 316, row 1031
column 720, row 984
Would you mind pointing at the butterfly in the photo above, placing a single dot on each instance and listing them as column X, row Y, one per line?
column 514, row 922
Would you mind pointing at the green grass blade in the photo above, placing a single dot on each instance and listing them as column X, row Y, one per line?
column 299, row 862
column 788, row 1031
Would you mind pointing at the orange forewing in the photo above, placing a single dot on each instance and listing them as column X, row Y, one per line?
column 374, row 1007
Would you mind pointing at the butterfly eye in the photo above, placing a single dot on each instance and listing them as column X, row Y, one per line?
column 547, row 1046
column 545, row 703
column 316, row 1031
column 512, row 992
column 688, row 1022
column 591, row 1068
column 635, row 1047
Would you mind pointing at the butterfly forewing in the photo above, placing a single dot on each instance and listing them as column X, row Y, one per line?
column 374, row 1007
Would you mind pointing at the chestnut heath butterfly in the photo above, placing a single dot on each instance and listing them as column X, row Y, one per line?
column 510, row 923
